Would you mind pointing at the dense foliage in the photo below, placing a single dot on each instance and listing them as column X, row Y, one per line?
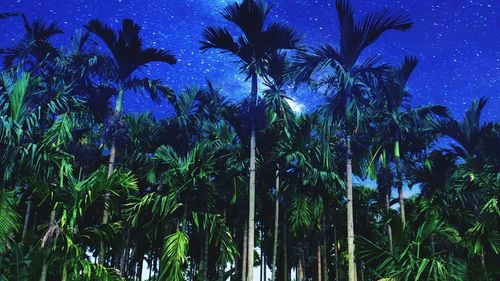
column 217, row 190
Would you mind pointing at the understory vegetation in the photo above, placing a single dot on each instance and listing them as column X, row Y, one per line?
column 92, row 190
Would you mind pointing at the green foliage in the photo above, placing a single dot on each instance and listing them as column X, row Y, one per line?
column 174, row 256
column 177, row 197
column 9, row 220
column 413, row 258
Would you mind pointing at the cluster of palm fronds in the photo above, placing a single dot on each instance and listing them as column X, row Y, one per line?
column 91, row 191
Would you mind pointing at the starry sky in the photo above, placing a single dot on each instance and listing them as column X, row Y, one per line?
column 456, row 41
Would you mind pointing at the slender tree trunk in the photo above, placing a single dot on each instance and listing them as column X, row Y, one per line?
column 52, row 222
column 433, row 244
column 350, row 218
column 399, row 174
column 204, row 265
column 151, row 270
column 261, row 273
column 111, row 167
column 244, row 259
column 362, row 271
column 251, row 190
column 389, row 230
column 265, row 267
column 276, row 223
column 261, row 246
column 285, row 249
column 324, row 249
column 318, row 255
column 336, row 251
column 26, row 219
column 483, row 263
column 139, row 267
column 123, row 257
column 300, row 273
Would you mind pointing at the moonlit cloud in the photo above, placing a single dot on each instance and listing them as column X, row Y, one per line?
column 297, row 107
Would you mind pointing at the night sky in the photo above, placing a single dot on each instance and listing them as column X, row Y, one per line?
column 456, row 41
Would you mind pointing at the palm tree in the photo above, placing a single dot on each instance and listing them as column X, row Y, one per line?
column 34, row 48
column 128, row 55
column 475, row 142
column 253, row 48
column 468, row 133
column 346, row 83
column 281, row 120
column 404, row 126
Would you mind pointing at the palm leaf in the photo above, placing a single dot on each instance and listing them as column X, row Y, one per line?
column 174, row 256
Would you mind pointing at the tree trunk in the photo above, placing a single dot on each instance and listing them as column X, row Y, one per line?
column 43, row 274
column 350, row 218
column 204, row 260
column 362, row 271
column 399, row 175
column 324, row 249
column 139, row 267
column 318, row 255
column 336, row 252
column 285, row 249
column 389, row 230
column 123, row 257
column 251, row 189
column 244, row 258
column 276, row 223
column 483, row 263
column 261, row 246
column 300, row 273
column 26, row 219
column 111, row 167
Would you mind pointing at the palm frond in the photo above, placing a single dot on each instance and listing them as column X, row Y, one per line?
column 375, row 24
column 404, row 71
column 219, row 38
column 9, row 220
column 155, row 88
column 309, row 62
column 249, row 16
column 151, row 54
column 278, row 36
column 174, row 256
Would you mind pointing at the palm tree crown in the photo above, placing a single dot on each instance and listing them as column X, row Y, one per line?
column 126, row 47
column 257, row 43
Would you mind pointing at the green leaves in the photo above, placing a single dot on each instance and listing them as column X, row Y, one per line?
column 174, row 257
column 414, row 257
column 60, row 133
column 17, row 96
column 9, row 220
column 300, row 215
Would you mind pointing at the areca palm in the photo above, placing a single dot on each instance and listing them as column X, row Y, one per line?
column 281, row 120
column 128, row 55
column 34, row 48
column 468, row 133
column 346, row 83
column 475, row 142
column 253, row 48
column 405, row 126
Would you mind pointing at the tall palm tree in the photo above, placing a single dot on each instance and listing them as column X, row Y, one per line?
column 128, row 55
column 253, row 48
column 281, row 118
column 346, row 83
column 404, row 125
